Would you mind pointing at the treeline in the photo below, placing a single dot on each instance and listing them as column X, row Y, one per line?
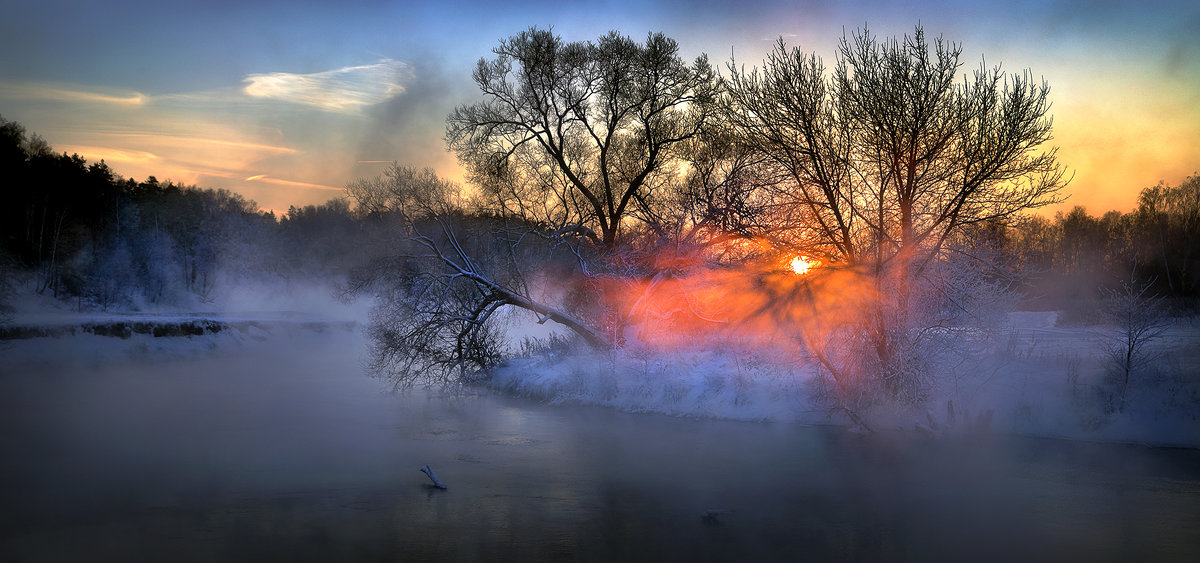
column 77, row 231
column 1068, row 260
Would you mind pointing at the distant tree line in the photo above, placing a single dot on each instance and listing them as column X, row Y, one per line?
column 1071, row 259
column 77, row 231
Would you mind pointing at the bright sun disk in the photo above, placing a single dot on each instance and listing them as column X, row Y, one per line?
column 802, row 265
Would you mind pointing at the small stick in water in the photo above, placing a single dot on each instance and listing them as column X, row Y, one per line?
column 436, row 482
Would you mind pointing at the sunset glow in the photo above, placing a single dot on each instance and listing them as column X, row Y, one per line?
column 802, row 264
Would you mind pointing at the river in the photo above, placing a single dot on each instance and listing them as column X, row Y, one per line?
column 280, row 448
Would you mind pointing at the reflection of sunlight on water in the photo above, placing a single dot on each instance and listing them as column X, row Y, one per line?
column 284, row 450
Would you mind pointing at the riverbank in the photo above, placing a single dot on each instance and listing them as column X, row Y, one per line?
column 1029, row 377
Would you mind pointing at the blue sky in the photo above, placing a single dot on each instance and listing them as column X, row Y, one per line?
column 286, row 102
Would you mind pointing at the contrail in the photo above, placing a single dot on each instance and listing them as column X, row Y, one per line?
column 291, row 183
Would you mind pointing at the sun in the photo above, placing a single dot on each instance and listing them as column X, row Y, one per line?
column 801, row 264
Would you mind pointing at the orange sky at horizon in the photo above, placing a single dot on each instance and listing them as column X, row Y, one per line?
column 1109, row 163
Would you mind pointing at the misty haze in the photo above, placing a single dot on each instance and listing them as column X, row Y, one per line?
column 801, row 305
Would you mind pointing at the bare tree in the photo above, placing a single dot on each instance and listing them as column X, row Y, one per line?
column 573, row 144
column 722, row 196
column 883, row 162
column 578, row 136
column 445, row 293
column 402, row 190
column 1139, row 318
column 890, row 153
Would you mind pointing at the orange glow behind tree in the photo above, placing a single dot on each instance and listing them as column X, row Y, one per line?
column 887, row 157
column 801, row 265
column 668, row 207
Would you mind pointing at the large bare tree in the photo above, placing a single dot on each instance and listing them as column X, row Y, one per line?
column 884, row 162
column 574, row 145
column 580, row 137
column 895, row 149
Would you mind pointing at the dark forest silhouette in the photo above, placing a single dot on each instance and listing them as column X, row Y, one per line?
column 81, row 233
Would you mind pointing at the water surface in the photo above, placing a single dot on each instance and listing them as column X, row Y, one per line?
column 284, row 450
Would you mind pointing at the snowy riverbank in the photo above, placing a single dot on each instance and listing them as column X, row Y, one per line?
column 1034, row 377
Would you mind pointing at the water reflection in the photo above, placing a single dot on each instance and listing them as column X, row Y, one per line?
column 285, row 451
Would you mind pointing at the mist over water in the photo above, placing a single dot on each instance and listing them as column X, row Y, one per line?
column 277, row 446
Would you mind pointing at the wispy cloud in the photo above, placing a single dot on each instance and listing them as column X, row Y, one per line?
column 193, row 143
column 290, row 183
column 345, row 89
column 280, row 139
column 109, row 154
column 39, row 91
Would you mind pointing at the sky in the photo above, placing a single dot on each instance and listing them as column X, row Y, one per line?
column 286, row 102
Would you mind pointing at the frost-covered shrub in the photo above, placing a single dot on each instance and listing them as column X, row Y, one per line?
column 1137, row 319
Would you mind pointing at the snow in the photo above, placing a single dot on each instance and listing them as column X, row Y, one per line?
column 703, row 383
column 248, row 302
column 1036, row 378
column 42, row 330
